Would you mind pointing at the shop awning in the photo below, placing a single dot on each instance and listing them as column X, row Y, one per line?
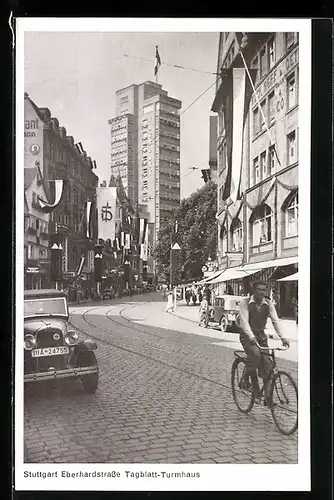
column 209, row 278
column 292, row 277
column 232, row 273
column 258, row 266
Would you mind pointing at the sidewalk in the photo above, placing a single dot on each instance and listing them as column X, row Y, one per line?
column 191, row 313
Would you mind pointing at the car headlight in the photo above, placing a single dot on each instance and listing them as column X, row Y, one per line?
column 71, row 337
column 29, row 342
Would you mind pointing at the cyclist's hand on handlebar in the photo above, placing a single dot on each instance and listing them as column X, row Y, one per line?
column 253, row 341
column 285, row 342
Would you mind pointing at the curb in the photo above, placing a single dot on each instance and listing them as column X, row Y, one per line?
column 196, row 322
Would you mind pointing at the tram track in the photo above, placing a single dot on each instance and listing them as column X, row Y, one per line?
column 135, row 327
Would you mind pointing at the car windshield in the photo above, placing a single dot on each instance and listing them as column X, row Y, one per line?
column 47, row 307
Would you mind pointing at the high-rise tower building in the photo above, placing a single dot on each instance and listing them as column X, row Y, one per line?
column 145, row 149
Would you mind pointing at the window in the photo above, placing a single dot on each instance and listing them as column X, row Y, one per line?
column 263, row 165
column 223, row 239
column 271, row 53
column 290, row 39
column 271, row 107
column 256, row 122
column 42, row 253
column 271, row 160
column 291, row 217
column 292, row 100
column 75, row 197
column 291, row 146
column 264, row 113
column 263, row 62
column 34, row 198
column 236, row 230
column 261, row 221
column 256, row 170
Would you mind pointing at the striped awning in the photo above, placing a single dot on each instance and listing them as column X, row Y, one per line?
column 292, row 277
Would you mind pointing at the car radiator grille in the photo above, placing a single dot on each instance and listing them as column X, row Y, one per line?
column 45, row 338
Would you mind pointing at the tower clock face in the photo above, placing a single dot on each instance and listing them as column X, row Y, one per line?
column 34, row 148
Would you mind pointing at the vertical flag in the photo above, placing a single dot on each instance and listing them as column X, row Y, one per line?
column 157, row 62
column 81, row 264
column 127, row 242
column 106, row 206
column 237, row 92
column 88, row 219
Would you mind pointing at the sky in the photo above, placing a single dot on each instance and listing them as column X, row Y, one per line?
column 76, row 76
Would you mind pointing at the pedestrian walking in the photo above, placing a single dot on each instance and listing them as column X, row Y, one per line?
column 170, row 302
column 204, row 313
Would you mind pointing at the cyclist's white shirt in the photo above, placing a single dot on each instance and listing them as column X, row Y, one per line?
column 244, row 316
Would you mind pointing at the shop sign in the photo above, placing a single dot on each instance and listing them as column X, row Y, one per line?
column 32, row 270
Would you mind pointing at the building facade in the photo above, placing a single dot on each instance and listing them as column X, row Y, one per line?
column 145, row 140
column 47, row 145
column 36, row 232
column 258, row 231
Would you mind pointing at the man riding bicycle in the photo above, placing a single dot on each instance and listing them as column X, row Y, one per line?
column 254, row 313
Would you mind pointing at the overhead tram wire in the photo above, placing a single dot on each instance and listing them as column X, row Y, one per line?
column 178, row 66
column 190, row 105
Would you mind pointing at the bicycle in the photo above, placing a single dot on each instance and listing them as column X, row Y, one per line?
column 280, row 388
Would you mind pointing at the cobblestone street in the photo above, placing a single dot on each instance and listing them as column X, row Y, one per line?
column 164, row 397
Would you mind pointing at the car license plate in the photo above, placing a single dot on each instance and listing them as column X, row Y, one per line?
column 50, row 351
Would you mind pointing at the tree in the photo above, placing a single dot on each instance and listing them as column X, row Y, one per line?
column 196, row 234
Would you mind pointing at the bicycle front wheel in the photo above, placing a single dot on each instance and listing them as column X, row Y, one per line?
column 243, row 398
column 284, row 402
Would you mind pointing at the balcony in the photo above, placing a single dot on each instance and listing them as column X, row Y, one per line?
column 290, row 242
column 230, row 259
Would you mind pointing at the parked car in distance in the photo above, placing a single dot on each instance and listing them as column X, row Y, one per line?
column 108, row 293
column 224, row 312
column 52, row 348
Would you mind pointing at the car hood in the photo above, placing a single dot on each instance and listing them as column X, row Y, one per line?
column 32, row 325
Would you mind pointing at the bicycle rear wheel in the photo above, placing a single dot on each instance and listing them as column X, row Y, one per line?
column 284, row 402
column 243, row 398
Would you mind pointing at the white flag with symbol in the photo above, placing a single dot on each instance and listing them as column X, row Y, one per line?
column 106, row 208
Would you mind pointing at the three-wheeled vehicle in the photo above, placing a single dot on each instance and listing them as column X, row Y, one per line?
column 224, row 312
column 52, row 349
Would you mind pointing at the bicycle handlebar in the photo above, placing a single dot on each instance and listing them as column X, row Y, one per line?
column 283, row 348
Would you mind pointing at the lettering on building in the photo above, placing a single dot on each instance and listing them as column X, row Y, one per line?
column 276, row 80
column 29, row 127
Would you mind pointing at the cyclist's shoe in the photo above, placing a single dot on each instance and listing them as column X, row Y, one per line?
column 245, row 385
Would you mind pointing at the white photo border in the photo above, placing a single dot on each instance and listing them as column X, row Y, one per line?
column 220, row 477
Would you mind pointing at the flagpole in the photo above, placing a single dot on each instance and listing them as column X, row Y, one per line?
column 259, row 105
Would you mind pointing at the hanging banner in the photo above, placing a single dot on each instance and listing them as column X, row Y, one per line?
column 106, row 208
column 127, row 242
column 49, row 207
column 142, row 230
column 236, row 93
column 239, row 87
column 81, row 264
column 143, row 251
column 89, row 206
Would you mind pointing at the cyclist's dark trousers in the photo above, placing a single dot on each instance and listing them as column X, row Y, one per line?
column 255, row 358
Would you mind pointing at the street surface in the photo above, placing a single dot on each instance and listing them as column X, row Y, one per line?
column 164, row 396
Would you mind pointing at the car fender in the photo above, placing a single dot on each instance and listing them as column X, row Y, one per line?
column 85, row 345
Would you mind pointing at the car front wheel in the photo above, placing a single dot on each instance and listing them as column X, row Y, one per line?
column 223, row 324
column 89, row 382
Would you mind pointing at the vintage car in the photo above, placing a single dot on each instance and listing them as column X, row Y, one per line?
column 52, row 348
column 224, row 312
column 108, row 293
